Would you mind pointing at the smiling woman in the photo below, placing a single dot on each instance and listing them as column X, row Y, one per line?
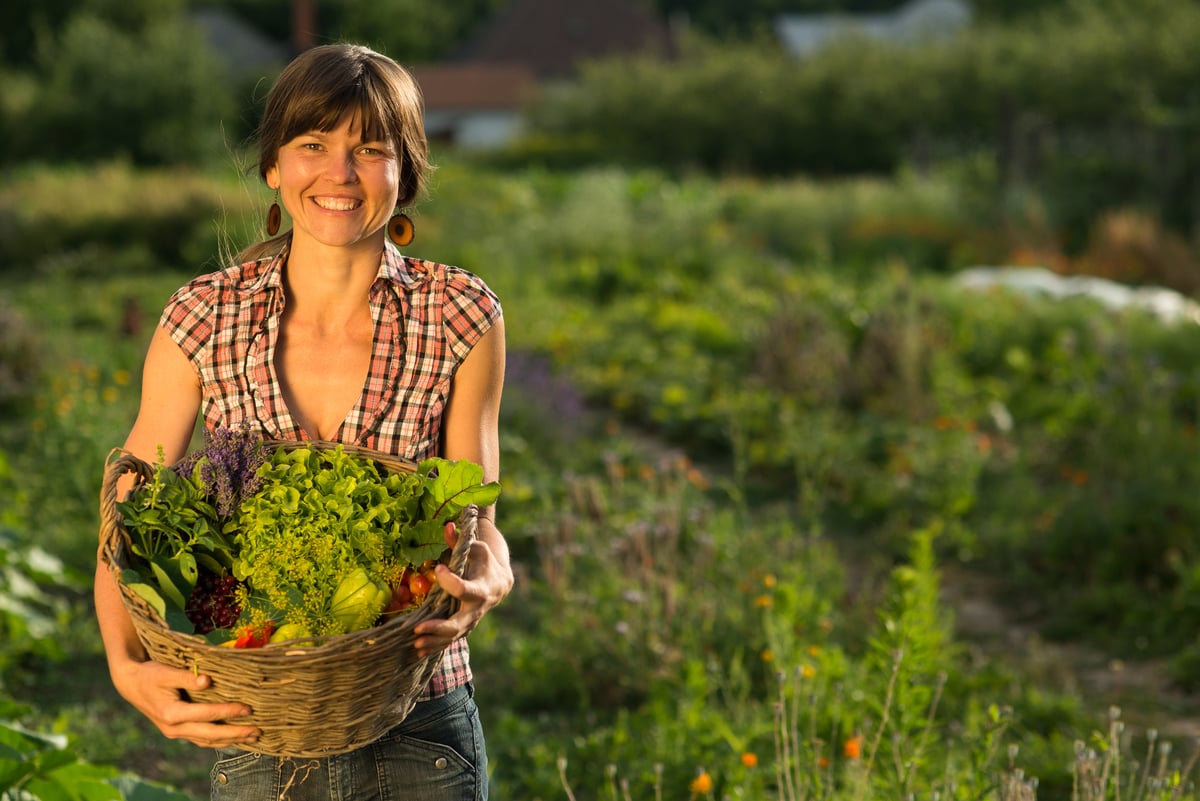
column 327, row 332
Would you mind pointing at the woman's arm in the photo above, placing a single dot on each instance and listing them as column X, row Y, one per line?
column 471, row 431
column 166, row 419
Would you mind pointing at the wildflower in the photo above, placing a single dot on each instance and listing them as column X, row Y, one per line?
column 766, row 655
column 763, row 601
column 983, row 444
column 750, row 759
column 852, row 748
column 697, row 479
column 807, row 671
column 121, row 377
column 823, row 762
column 703, row 783
column 814, row 650
column 769, row 580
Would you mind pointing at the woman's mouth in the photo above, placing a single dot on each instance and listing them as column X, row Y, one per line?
column 337, row 203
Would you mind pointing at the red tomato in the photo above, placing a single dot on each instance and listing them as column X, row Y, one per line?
column 401, row 599
column 249, row 638
column 419, row 585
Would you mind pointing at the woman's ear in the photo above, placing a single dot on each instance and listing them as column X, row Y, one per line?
column 272, row 177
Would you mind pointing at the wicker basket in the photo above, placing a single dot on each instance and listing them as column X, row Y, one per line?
column 314, row 701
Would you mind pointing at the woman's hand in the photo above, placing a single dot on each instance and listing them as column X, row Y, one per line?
column 160, row 693
column 489, row 579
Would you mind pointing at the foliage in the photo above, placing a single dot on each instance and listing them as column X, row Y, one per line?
column 19, row 358
column 839, row 397
column 163, row 84
column 42, row 766
column 117, row 218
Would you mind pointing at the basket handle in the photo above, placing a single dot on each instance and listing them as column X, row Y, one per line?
column 118, row 463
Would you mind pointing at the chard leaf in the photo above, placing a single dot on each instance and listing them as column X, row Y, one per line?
column 167, row 586
column 423, row 540
column 150, row 596
column 453, row 486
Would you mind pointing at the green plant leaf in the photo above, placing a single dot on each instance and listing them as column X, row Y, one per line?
column 151, row 596
column 167, row 585
column 453, row 486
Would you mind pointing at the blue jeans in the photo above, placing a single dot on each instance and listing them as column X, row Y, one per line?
column 436, row 754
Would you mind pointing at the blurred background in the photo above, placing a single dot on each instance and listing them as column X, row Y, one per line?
column 849, row 436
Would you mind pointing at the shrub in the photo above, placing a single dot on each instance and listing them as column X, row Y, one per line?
column 155, row 96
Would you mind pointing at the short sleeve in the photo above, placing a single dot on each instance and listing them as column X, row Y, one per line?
column 470, row 310
column 188, row 317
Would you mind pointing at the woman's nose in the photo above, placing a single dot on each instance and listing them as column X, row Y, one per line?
column 342, row 168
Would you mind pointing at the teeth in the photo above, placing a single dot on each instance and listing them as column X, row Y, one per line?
column 336, row 204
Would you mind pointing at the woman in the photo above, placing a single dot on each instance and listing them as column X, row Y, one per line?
column 328, row 333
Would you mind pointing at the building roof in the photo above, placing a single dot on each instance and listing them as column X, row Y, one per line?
column 552, row 37
column 473, row 86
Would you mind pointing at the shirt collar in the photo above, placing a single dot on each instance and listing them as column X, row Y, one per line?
column 394, row 269
column 400, row 271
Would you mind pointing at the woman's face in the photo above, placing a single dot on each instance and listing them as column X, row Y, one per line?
column 338, row 189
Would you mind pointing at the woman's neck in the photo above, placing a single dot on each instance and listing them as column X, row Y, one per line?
column 327, row 286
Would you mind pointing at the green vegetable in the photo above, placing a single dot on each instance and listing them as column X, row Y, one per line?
column 358, row 600
column 316, row 546
column 327, row 533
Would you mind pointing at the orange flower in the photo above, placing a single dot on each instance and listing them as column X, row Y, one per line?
column 766, row 655
column 750, row 759
column 823, row 762
column 763, row 601
column 852, row 748
column 702, row 784
column 769, row 580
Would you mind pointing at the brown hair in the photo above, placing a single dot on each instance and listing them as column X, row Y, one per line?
column 323, row 85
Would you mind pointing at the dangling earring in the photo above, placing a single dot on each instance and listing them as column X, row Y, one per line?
column 400, row 229
column 274, row 216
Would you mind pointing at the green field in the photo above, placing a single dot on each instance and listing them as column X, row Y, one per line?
column 762, row 454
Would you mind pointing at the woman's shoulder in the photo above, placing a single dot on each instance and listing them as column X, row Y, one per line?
column 424, row 275
column 247, row 277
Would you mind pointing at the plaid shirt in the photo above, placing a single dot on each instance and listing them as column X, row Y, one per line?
column 427, row 318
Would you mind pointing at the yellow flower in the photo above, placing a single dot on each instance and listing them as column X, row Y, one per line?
column 763, row 601
column 702, row 784
column 808, row 671
column 769, row 580
column 121, row 377
column 766, row 655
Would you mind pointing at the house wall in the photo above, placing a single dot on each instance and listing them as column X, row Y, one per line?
column 476, row 130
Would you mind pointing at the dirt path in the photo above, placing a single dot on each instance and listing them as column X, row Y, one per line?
column 1142, row 690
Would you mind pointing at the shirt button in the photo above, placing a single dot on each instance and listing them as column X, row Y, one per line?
column 440, row 763
column 222, row 778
